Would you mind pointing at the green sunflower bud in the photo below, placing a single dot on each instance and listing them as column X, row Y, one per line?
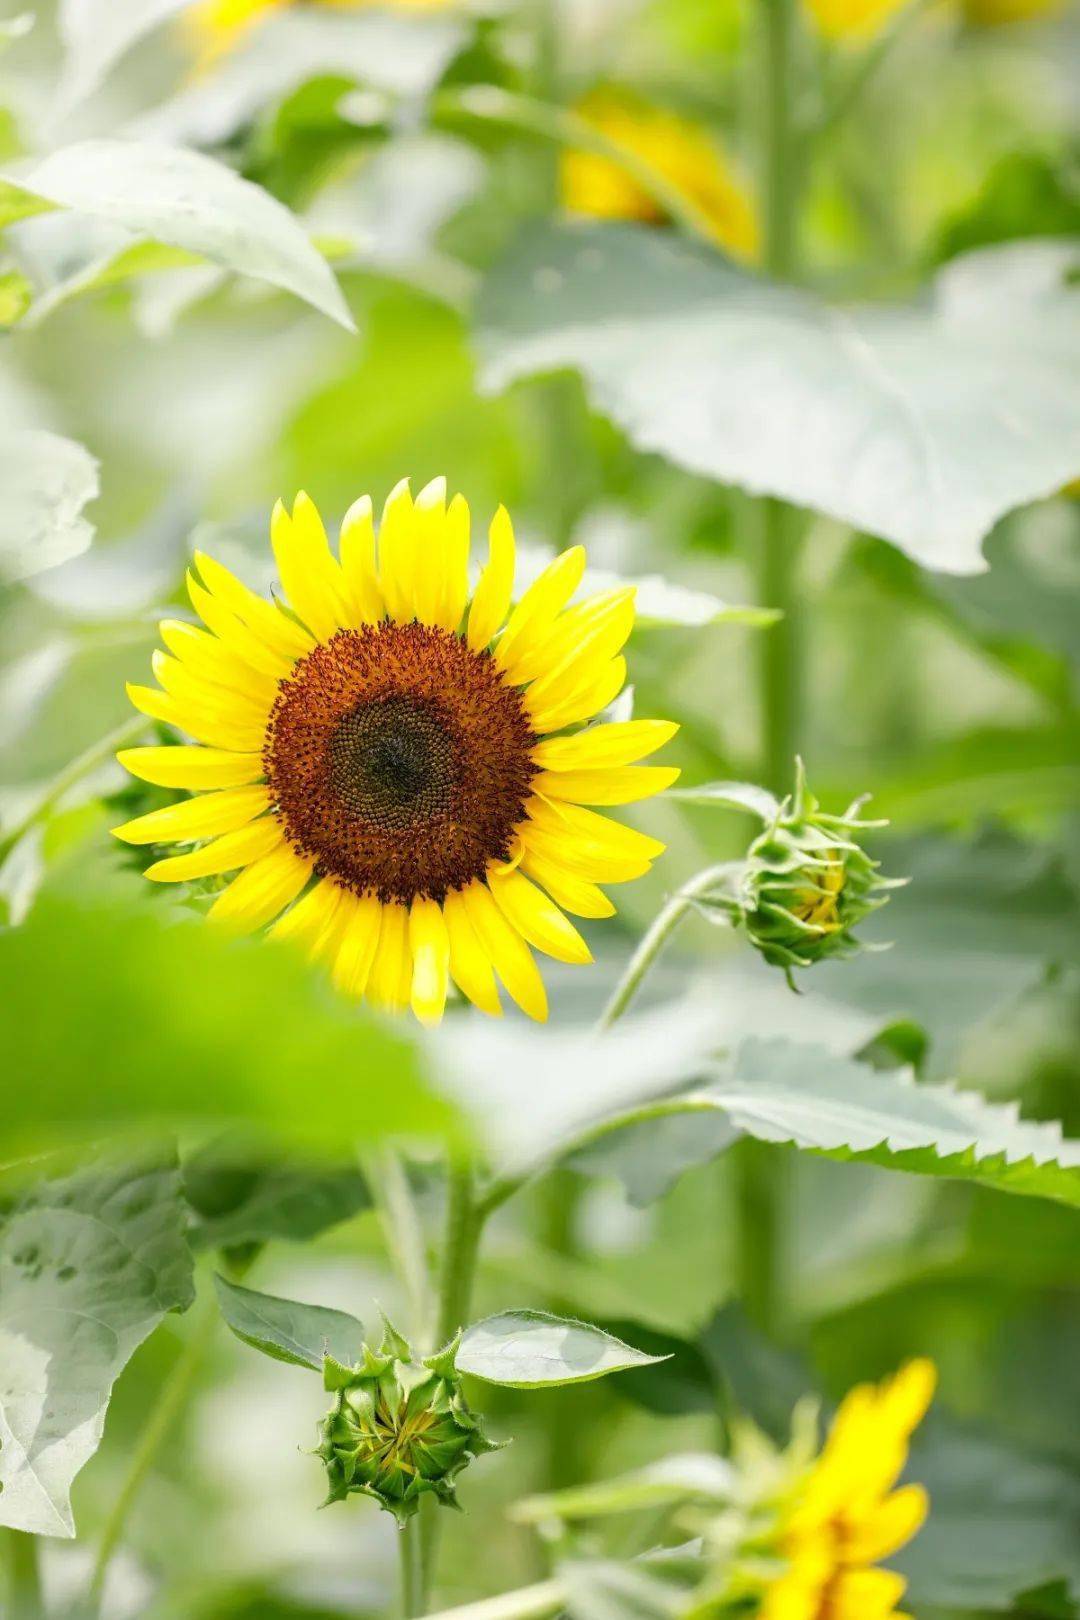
column 399, row 1428
column 807, row 882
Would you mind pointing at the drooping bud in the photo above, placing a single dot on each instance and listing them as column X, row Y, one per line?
column 399, row 1428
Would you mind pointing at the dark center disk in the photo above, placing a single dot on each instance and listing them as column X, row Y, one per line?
column 400, row 761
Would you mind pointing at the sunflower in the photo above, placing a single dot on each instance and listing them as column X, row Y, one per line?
column 390, row 768
column 684, row 153
column 847, row 1514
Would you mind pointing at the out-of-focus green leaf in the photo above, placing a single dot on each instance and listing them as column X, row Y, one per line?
column 89, row 1264
column 191, row 202
column 649, row 1149
column 1002, row 1522
column 97, row 33
column 285, row 1330
column 693, row 1476
column 404, row 56
column 758, row 1378
column 16, row 294
column 682, row 1381
column 238, row 1197
column 600, row 1590
column 1024, row 195
column 535, row 1350
column 784, row 1092
column 47, row 481
column 177, row 1021
column 887, row 418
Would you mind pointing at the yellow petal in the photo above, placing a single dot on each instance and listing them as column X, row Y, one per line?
column 430, row 945
column 429, row 556
column 266, row 619
column 206, row 816
column 491, row 600
column 186, row 687
column 616, row 784
column 587, row 829
column 236, row 635
column 589, row 659
column 586, row 861
column 506, row 950
column 262, row 890
column 312, row 581
column 390, row 980
column 574, row 894
column 537, row 918
column 311, row 919
column 865, row 1594
column 396, row 553
column 594, row 694
column 470, row 968
column 197, row 722
column 888, row 1526
column 545, row 650
column 619, row 742
column 357, row 547
column 191, row 767
column 455, row 590
column 356, row 943
column 225, row 854
column 536, row 611
column 906, row 1397
column 204, row 655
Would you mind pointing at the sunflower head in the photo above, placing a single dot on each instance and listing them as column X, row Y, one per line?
column 399, row 1428
column 395, row 763
column 681, row 152
column 807, row 882
column 843, row 1514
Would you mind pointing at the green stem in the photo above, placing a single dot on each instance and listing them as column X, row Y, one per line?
column 653, row 941
column 25, row 1601
column 168, row 1405
column 464, row 1224
column 780, row 644
column 566, row 128
column 65, row 780
column 403, row 1235
column 413, row 1585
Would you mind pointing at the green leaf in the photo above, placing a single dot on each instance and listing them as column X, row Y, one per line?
column 47, row 481
column 403, row 56
column 285, row 1330
column 731, row 796
column 15, row 296
column 696, row 1476
column 239, row 1197
column 1002, row 1522
column 90, row 1262
column 598, row 1589
column 841, row 409
column 785, row 1092
column 192, row 202
column 17, row 203
column 535, row 1350
column 196, row 1027
column 1024, row 194
column 683, row 1380
column 97, row 33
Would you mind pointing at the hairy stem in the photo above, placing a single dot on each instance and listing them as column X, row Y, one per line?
column 170, row 1401
column 653, row 941
column 413, row 1585
column 24, row 1597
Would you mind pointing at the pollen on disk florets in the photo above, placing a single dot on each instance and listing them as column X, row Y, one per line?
column 400, row 761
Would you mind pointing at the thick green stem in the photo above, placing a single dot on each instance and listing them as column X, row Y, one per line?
column 464, row 1223
column 24, row 1598
column 403, row 1235
column 413, row 1584
column 170, row 1401
column 780, row 644
column 653, row 941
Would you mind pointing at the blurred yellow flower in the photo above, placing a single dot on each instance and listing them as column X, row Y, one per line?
column 218, row 24
column 682, row 152
column 394, row 764
column 859, row 20
column 847, row 1514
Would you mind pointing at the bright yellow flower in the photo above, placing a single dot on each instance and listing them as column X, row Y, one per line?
column 377, row 754
column 683, row 153
column 853, row 19
column 847, row 1514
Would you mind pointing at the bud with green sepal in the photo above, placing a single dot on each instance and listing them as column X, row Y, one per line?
column 806, row 881
column 400, row 1428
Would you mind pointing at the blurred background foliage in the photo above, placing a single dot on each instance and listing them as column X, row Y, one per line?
column 203, row 396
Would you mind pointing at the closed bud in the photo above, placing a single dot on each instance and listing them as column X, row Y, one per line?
column 399, row 1428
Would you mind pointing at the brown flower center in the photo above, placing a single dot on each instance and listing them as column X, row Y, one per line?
column 399, row 760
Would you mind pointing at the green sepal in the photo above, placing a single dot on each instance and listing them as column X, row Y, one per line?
column 444, row 1361
column 394, row 1344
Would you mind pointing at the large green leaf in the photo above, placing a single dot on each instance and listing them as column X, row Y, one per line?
column 96, row 33
column 192, row 202
column 178, row 1021
column 785, row 1092
column 890, row 418
column 285, row 1330
column 47, row 481
column 89, row 1264
column 535, row 1350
